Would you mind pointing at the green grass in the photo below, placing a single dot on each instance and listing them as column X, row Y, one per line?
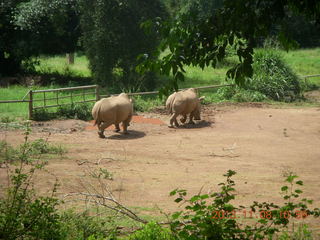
column 21, row 110
column 58, row 64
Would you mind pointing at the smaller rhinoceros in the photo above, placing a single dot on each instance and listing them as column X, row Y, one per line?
column 182, row 103
column 112, row 110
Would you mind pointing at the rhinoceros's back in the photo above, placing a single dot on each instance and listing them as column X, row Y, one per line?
column 112, row 109
column 185, row 101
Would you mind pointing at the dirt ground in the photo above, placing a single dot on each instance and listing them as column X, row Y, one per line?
column 261, row 143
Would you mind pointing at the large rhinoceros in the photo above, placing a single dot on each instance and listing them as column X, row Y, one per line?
column 183, row 103
column 112, row 110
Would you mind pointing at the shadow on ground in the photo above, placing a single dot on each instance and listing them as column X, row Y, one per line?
column 132, row 134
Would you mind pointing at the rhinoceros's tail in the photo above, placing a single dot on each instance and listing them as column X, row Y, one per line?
column 169, row 104
column 96, row 116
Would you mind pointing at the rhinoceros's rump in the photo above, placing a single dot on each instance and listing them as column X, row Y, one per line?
column 183, row 103
column 113, row 110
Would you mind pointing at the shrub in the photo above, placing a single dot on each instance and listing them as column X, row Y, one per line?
column 75, row 111
column 23, row 214
column 273, row 77
column 7, row 153
column 82, row 226
column 152, row 231
column 80, row 111
column 145, row 103
column 212, row 216
column 42, row 114
column 240, row 95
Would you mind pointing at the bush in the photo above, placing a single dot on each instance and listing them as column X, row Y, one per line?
column 82, row 226
column 146, row 103
column 238, row 94
column 212, row 216
column 152, row 231
column 80, row 111
column 76, row 111
column 273, row 78
column 23, row 214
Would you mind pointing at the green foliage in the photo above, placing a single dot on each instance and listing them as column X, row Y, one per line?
column 30, row 151
column 23, row 214
column 273, row 77
column 146, row 103
column 302, row 233
column 42, row 114
column 152, row 231
column 74, row 111
column 239, row 94
column 213, row 216
column 82, row 226
column 32, row 27
column 7, row 153
column 203, row 30
column 113, row 39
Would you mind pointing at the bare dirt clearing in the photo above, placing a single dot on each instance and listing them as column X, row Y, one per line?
column 257, row 141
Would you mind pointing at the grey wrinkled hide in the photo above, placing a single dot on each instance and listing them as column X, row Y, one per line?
column 113, row 110
column 183, row 103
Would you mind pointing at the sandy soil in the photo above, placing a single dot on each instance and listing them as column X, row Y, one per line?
column 259, row 142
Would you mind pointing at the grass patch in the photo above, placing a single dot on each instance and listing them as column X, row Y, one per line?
column 32, row 149
column 58, row 64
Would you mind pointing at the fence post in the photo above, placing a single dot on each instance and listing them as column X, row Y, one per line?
column 97, row 93
column 30, row 105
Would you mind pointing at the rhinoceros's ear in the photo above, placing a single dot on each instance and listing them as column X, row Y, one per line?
column 201, row 98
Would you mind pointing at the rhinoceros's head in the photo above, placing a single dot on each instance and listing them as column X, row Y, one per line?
column 197, row 111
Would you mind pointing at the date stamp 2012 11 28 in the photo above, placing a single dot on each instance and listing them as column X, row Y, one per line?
column 221, row 214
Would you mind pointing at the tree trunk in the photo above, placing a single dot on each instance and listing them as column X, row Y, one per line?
column 70, row 58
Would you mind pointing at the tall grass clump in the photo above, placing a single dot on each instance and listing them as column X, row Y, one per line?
column 273, row 77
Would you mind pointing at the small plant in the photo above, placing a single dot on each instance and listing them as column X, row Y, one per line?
column 7, row 153
column 42, row 114
column 23, row 214
column 102, row 173
column 152, row 231
column 212, row 216
column 83, row 226
column 75, row 111
column 302, row 233
column 144, row 104
column 7, row 119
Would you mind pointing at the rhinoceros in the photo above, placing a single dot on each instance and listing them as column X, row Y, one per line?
column 182, row 103
column 113, row 110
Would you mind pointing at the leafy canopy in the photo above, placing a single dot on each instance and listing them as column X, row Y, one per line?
column 202, row 30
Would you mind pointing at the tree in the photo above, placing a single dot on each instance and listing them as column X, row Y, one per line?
column 202, row 31
column 33, row 27
column 113, row 39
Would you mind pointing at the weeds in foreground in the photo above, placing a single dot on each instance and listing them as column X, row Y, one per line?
column 29, row 151
column 212, row 216
column 23, row 215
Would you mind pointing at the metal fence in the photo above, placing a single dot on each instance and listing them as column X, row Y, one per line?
column 72, row 94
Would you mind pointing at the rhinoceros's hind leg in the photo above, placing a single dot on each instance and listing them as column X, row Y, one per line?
column 117, row 127
column 102, row 127
column 125, row 125
column 173, row 119
column 191, row 119
column 184, row 119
